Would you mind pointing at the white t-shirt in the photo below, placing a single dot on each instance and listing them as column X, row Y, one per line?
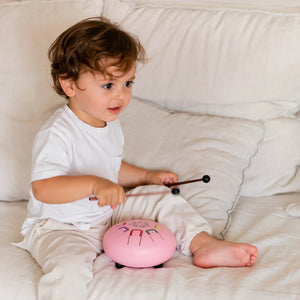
column 68, row 146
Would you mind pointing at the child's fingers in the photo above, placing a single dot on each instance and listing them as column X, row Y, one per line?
column 169, row 178
column 112, row 199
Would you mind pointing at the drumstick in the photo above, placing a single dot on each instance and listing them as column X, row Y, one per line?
column 205, row 179
column 92, row 198
column 175, row 190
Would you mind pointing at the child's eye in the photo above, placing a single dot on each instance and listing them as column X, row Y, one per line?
column 128, row 84
column 107, row 86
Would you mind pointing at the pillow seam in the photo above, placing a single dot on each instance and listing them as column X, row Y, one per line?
column 237, row 196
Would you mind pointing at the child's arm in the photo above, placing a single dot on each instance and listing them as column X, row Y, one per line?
column 64, row 189
column 132, row 176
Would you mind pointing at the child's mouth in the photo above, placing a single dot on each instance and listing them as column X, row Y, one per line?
column 115, row 110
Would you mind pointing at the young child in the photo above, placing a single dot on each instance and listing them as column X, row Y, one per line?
column 78, row 154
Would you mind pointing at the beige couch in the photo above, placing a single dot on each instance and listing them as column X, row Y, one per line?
column 220, row 95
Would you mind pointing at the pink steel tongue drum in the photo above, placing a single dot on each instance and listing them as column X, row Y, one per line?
column 139, row 244
column 142, row 243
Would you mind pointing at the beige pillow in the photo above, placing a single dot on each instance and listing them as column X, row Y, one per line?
column 192, row 146
column 26, row 96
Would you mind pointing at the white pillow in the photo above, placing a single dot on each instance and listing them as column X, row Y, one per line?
column 193, row 146
column 27, row 98
column 276, row 166
column 202, row 56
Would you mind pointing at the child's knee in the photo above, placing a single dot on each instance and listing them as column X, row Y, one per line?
column 71, row 267
column 68, row 278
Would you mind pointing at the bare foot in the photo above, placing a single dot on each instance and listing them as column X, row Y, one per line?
column 209, row 252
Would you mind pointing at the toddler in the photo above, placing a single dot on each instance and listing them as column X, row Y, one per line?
column 78, row 154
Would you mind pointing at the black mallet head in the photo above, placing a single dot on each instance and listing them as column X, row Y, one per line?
column 206, row 179
column 175, row 190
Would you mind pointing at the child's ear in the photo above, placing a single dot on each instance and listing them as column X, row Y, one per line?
column 68, row 86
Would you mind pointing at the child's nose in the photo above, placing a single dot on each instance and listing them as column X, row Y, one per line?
column 120, row 93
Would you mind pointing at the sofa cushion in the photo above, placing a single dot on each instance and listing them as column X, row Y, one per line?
column 193, row 146
column 204, row 58
column 273, row 5
column 227, row 58
column 27, row 98
column 276, row 166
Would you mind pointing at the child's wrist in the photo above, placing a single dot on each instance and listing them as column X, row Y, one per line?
column 148, row 177
column 94, row 185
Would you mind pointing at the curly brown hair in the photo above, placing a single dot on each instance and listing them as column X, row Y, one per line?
column 84, row 45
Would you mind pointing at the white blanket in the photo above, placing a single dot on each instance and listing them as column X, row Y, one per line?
column 261, row 221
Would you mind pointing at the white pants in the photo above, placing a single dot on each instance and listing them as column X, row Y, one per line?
column 66, row 254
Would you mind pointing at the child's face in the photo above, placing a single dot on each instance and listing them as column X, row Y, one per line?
column 97, row 99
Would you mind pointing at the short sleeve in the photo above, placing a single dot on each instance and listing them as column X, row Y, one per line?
column 51, row 155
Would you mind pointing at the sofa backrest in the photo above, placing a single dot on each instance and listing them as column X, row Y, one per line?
column 206, row 55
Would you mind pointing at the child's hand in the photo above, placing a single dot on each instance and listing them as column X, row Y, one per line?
column 161, row 178
column 108, row 193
